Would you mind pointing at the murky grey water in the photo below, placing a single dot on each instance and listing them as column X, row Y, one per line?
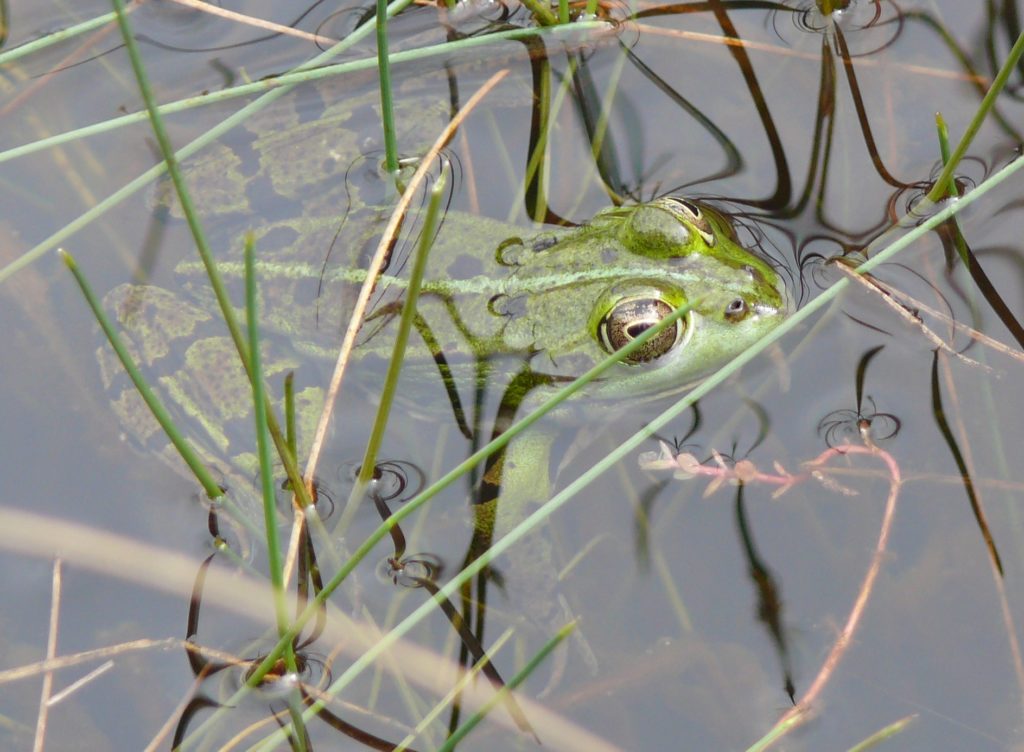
column 699, row 611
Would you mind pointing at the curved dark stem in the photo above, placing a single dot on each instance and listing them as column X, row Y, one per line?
column 200, row 666
column 824, row 117
column 950, row 232
column 862, row 117
column 862, row 370
column 193, row 707
column 397, row 536
column 589, row 105
column 769, row 601
column 979, row 513
column 309, row 574
column 734, row 160
column 355, row 733
column 480, row 655
column 536, row 201
column 783, row 187
column 488, row 492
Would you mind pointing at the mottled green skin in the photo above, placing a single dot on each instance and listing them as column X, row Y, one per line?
column 489, row 293
column 486, row 295
column 493, row 296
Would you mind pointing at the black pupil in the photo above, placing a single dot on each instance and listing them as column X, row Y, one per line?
column 635, row 330
column 736, row 306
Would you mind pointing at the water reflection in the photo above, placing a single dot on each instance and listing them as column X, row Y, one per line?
column 813, row 147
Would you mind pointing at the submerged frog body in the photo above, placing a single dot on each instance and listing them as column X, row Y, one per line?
column 538, row 311
column 517, row 316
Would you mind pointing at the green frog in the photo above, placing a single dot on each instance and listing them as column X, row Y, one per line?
column 525, row 314
column 510, row 313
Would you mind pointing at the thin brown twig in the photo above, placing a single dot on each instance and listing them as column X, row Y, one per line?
column 52, row 664
column 970, row 331
column 687, row 466
column 884, row 292
column 377, row 263
column 801, row 711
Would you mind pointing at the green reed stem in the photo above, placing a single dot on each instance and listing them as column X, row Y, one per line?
column 262, row 446
column 938, row 190
column 55, row 38
column 203, row 246
column 387, row 107
column 412, row 294
column 777, row 732
column 884, row 734
column 269, row 86
column 209, row 484
column 456, row 690
column 474, row 720
column 943, row 133
column 563, row 11
column 289, row 413
column 274, row 558
column 950, row 188
column 541, row 12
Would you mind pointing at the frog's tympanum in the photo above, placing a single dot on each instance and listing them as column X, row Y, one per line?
column 517, row 315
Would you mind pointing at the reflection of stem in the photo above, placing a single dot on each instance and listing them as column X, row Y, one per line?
column 974, row 495
column 377, row 263
column 783, row 187
column 745, row 472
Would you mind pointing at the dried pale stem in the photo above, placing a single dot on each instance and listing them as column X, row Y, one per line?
column 258, row 23
column 377, row 263
column 911, row 302
column 884, row 293
column 66, row 661
column 51, row 652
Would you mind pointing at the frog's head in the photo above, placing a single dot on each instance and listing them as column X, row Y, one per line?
column 645, row 261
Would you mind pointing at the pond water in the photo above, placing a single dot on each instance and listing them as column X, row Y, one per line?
column 703, row 618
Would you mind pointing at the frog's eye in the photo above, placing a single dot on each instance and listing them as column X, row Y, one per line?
column 689, row 207
column 692, row 214
column 736, row 309
column 631, row 317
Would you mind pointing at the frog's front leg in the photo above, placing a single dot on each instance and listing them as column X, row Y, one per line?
column 515, row 484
